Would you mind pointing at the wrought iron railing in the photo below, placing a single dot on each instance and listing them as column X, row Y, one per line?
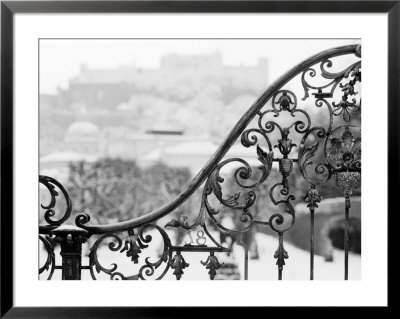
column 322, row 152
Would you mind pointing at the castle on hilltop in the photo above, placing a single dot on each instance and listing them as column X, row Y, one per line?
column 107, row 88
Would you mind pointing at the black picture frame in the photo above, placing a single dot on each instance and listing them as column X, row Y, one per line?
column 9, row 8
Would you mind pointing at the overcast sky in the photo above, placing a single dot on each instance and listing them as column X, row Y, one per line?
column 60, row 59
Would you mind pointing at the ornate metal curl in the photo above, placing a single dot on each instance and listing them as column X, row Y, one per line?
column 50, row 263
column 133, row 245
column 353, row 74
column 348, row 89
column 51, row 184
column 213, row 186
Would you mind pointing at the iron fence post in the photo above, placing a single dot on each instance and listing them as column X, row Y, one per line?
column 71, row 239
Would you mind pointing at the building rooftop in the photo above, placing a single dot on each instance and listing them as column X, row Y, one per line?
column 82, row 128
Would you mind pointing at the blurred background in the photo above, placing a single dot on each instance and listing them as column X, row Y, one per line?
column 125, row 125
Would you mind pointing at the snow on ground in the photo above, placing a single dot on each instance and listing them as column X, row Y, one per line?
column 265, row 268
column 298, row 264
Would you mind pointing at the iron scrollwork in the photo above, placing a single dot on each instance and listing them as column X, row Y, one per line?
column 50, row 263
column 51, row 184
column 132, row 246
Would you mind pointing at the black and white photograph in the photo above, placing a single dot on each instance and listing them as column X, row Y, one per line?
column 200, row 159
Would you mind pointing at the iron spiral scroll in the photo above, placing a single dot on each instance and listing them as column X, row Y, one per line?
column 284, row 138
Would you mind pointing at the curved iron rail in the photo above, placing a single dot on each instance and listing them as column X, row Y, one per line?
column 83, row 219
